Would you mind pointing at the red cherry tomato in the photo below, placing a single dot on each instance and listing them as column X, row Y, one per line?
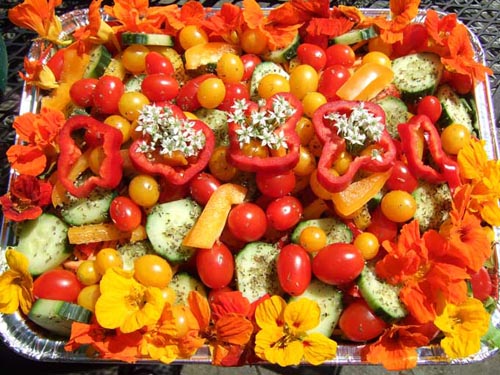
column 56, row 63
column 234, row 91
column 431, row 107
column 250, row 61
column 283, row 213
column 401, row 178
column 294, row 269
column 160, row 87
column 415, row 37
column 331, row 79
column 382, row 227
column 81, row 92
column 461, row 83
column 215, row 266
column 338, row 263
column 58, row 284
column 247, row 222
column 340, row 54
column 359, row 323
column 312, row 54
column 481, row 284
column 125, row 213
column 107, row 94
column 202, row 186
column 275, row 185
column 157, row 63
column 186, row 98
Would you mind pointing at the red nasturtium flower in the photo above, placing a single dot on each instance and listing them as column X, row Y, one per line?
column 26, row 198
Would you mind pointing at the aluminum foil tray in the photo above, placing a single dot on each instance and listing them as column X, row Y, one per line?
column 32, row 342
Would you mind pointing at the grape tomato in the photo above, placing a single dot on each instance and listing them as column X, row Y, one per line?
column 81, row 91
column 338, row 263
column 159, row 87
column 215, row 265
column 125, row 213
column 157, row 63
column 202, row 186
column 283, row 213
column 107, row 94
column 57, row 284
column 313, row 55
column 247, row 222
column 250, row 61
column 359, row 323
column 340, row 54
column 293, row 267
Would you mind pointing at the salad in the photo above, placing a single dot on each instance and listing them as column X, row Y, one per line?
column 269, row 183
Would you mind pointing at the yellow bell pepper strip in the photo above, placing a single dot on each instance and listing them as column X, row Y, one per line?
column 90, row 233
column 359, row 193
column 212, row 220
column 366, row 82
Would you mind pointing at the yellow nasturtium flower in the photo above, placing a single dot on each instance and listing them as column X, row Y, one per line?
column 283, row 337
column 125, row 303
column 16, row 284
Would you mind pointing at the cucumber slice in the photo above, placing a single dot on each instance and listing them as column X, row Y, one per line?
column 381, row 297
column 99, row 61
column 285, row 54
column 129, row 252
column 255, row 268
column 262, row 70
column 354, row 36
column 217, row 121
column 433, row 205
column 329, row 299
column 93, row 209
column 129, row 38
column 166, row 226
column 44, row 241
column 417, row 75
column 134, row 83
column 183, row 283
column 336, row 231
column 57, row 316
column 455, row 109
column 396, row 112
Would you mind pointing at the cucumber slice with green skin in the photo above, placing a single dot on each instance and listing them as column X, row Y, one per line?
column 134, row 83
column 417, row 75
column 396, row 112
column 166, row 226
column 335, row 230
column 44, row 241
column 57, row 316
column 183, row 283
column 129, row 38
column 455, row 108
column 382, row 297
column 329, row 299
column 93, row 209
column 217, row 121
column 354, row 36
column 285, row 54
column 262, row 70
column 255, row 269
column 99, row 61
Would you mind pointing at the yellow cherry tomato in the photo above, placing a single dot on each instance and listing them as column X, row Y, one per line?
column 272, row 84
column 107, row 258
column 377, row 57
column 152, row 270
column 211, row 92
column 192, row 35
column 368, row 244
column 303, row 79
column 313, row 239
column 398, row 206
column 454, row 137
column 311, row 102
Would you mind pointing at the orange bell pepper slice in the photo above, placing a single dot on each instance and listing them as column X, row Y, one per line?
column 366, row 82
column 212, row 220
column 359, row 193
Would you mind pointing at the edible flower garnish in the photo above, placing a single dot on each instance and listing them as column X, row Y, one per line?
column 16, row 284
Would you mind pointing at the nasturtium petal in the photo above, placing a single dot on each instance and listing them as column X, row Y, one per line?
column 302, row 315
column 269, row 313
column 267, row 338
column 318, row 348
column 289, row 355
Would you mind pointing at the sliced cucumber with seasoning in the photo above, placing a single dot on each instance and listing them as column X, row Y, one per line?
column 57, row 316
column 329, row 299
column 262, row 70
column 396, row 112
column 383, row 298
column 44, row 241
column 433, row 205
column 255, row 269
column 455, row 108
column 134, row 83
column 99, row 61
column 417, row 75
column 166, row 226
column 129, row 38
column 183, row 283
column 335, row 230
column 93, row 209
column 217, row 121
column 354, row 36
column 284, row 54
column 129, row 252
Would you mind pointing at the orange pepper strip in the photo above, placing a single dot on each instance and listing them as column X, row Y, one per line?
column 212, row 220
column 359, row 193
column 366, row 82
column 95, row 233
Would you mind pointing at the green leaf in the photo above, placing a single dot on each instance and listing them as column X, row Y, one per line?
column 3, row 65
column 492, row 337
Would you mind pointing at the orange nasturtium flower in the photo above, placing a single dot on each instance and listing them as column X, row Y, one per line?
column 227, row 23
column 483, row 174
column 396, row 348
column 39, row 74
column 16, row 284
column 463, row 326
column 283, row 337
column 125, row 303
column 40, row 17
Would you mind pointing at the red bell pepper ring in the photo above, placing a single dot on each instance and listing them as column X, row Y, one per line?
column 445, row 170
column 150, row 162
column 271, row 163
column 96, row 134
column 334, row 144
